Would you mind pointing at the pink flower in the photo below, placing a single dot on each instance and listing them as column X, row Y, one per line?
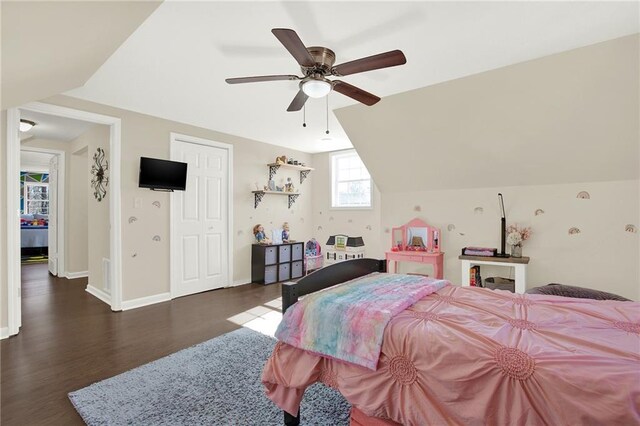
column 525, row 233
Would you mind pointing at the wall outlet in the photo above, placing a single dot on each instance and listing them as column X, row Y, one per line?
column 137, row 202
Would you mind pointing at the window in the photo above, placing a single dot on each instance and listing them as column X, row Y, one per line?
column 36, row 197
column 351, row 184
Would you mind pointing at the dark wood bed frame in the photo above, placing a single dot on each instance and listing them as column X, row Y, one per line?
column 323, row 278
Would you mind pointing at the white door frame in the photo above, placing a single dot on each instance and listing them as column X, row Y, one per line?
column 177, row 137
column 62, row 270
column 13, row 191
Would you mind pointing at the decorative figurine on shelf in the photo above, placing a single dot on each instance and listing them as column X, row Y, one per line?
column 261, row 237
column 281, row 160
column 291, row 161
column 285, row 232
column 288, row 187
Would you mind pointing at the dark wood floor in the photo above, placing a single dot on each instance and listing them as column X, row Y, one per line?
column 69, row 339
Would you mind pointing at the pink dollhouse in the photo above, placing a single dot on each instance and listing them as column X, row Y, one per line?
column 416, row 241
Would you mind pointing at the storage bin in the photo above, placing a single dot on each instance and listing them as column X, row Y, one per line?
column 270, row 274
column 297, row 269
column 285, row 254
column 499, row 283
column 270, row 255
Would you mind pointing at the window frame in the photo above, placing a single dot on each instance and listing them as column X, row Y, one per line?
column 27, row 199
column 333, row 182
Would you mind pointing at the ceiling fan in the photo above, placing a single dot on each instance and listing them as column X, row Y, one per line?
column 316, row 63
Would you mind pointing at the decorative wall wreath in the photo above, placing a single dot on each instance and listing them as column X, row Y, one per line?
column 99, row 181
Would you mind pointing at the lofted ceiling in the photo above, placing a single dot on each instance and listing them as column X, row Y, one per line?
column 49, row 47
column 174, row 65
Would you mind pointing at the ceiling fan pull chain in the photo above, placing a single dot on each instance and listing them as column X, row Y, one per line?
column 327, row 132
column 304, row 116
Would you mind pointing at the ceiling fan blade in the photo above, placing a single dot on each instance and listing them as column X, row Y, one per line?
column 257, row 79
column 294, row 45
column 355, row 93
column 298, row 102
column 381, row 60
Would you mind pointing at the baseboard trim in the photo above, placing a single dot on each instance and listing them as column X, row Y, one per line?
column 74, row 275
column 236, row 283
column 100, row 294
column 4, row 332
column 145, row 301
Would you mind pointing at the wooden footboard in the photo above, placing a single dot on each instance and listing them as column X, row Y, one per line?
column 323, row 278
column 329, row 276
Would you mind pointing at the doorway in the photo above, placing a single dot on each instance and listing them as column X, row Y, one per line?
column 42, row 200
column 13, row 192
column 201, row 217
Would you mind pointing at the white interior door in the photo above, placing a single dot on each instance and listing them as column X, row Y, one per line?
column 200, row 257
column 53, row 215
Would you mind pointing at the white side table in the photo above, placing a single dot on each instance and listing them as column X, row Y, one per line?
column 518, row 263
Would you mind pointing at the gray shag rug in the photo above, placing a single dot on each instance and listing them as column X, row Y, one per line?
column 214, row 383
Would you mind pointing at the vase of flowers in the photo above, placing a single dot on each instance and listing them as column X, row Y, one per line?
column 515, row 236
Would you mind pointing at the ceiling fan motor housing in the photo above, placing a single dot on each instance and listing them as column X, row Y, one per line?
column 324, row 58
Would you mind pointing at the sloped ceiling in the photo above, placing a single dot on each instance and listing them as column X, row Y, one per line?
column 175, row 64
column 49, row 47
column 570, row 117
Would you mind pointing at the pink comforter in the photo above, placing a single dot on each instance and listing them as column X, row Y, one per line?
column 472, row 356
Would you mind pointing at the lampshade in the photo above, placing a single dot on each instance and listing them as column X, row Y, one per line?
column 316, row 88
column 26, row 125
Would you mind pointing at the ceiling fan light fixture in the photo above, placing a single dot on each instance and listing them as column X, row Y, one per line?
column 316, row 88
column 26, row 125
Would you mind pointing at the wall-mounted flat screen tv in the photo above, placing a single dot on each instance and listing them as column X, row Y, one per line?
column 162, row 175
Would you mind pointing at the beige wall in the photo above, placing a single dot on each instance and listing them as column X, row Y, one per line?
column 76, row 215
column 93, row 228
column 539, row 132
column 570, row 117
column 602, row 256
column 145, row 261
column 3, row 221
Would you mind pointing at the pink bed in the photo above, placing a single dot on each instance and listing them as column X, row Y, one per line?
column 472, row 356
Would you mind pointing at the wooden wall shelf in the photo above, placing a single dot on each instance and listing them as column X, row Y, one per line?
column 291, row 196
column 258, row 195
column 304, row 171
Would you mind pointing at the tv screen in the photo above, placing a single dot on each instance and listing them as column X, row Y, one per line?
column 162, row 174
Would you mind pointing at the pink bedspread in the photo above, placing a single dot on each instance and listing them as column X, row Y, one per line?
column 472, row 356
column 347, row 321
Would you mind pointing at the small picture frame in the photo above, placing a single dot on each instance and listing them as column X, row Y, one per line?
column 272, row 185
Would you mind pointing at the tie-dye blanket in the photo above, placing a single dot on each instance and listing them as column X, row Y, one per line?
column 347, row 321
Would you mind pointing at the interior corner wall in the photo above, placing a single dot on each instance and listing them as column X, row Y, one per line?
column 539, row 132
column 145, row 260
column 93, row 229
column 327, row 221
column 4, row 318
